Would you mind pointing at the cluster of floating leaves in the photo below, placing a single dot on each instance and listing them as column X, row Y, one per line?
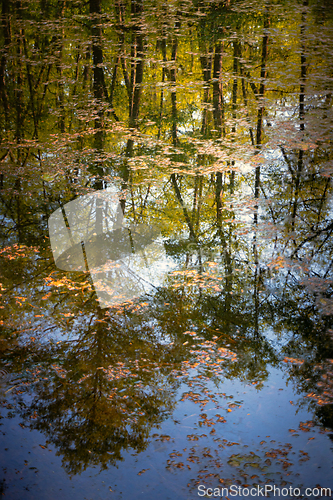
column 207, row 280
column 67, row 283
column 293, row 361
column 324, row 395
column 213, row 466
column 16, row 251
column 208, row 355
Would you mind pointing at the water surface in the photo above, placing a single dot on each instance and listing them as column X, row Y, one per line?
column 181, row 332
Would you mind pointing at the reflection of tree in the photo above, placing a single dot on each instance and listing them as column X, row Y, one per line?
column 100, row 401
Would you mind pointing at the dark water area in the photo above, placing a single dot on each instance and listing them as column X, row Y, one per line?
column 166, row 249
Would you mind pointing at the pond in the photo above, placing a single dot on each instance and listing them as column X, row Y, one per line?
column 166, row 249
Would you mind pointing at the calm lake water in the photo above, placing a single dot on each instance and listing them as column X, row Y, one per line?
column 166, row 249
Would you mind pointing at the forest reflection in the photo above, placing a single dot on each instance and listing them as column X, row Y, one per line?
column 212, row 120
